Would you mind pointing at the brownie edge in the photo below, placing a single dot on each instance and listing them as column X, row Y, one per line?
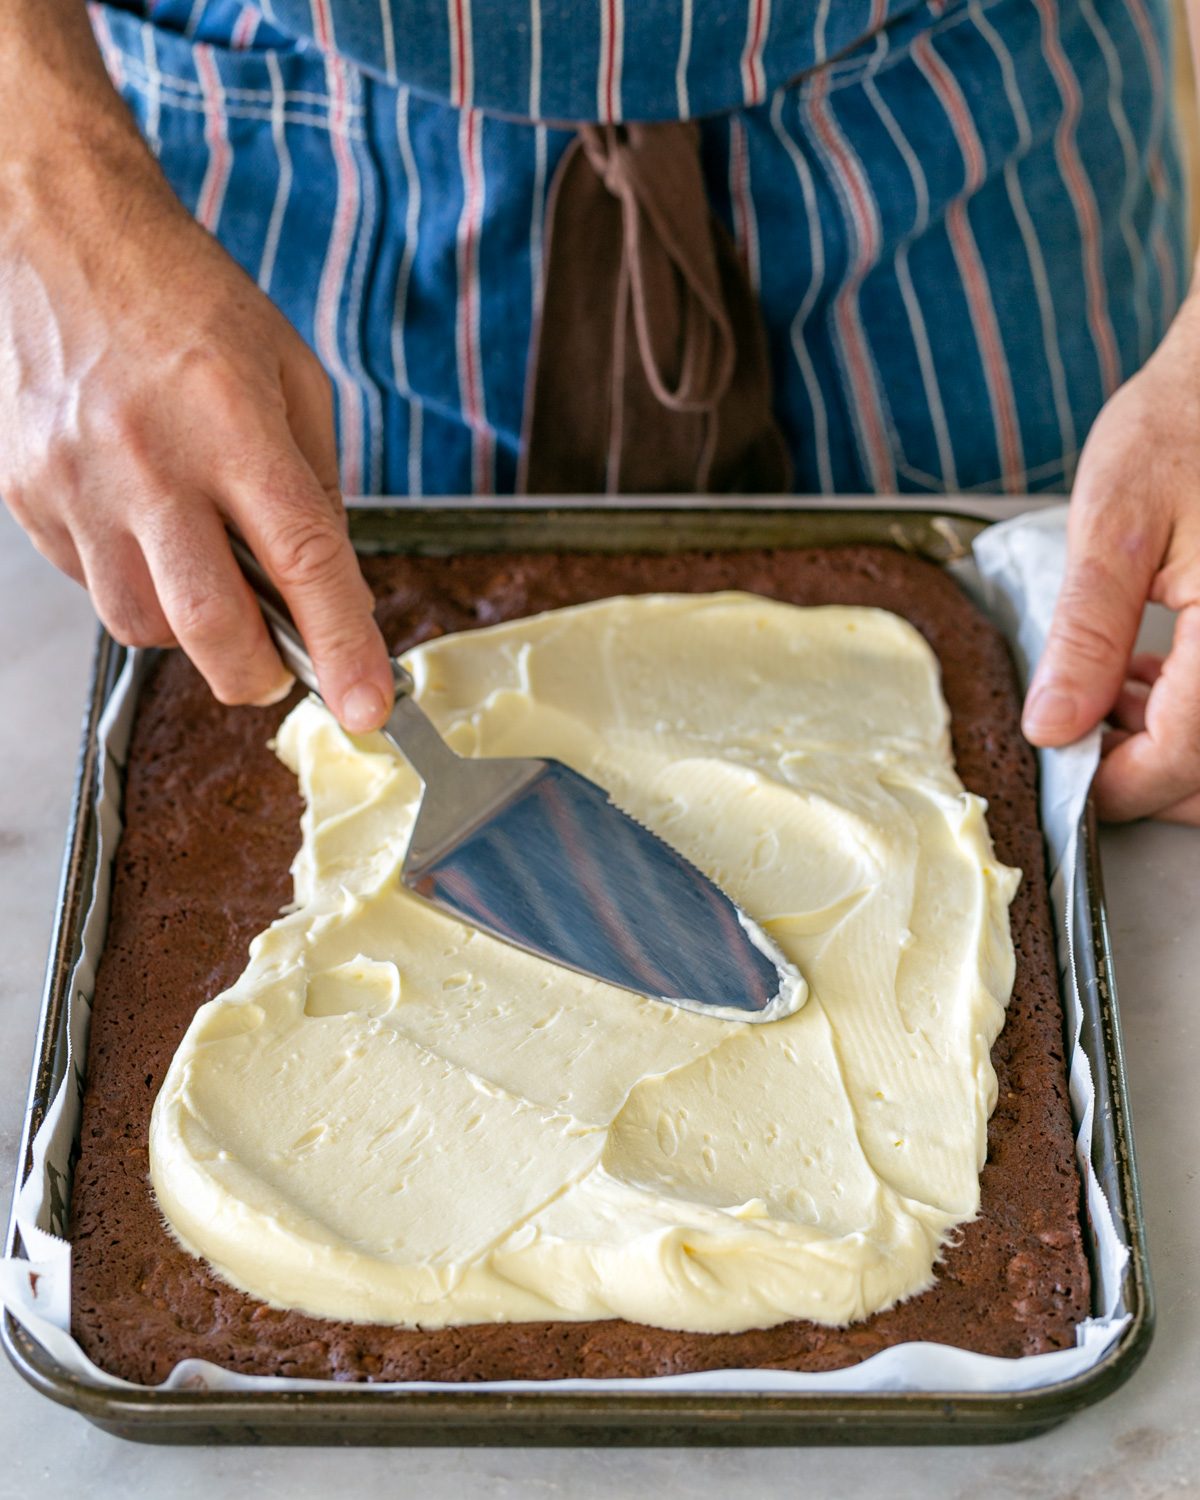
column 211, row 825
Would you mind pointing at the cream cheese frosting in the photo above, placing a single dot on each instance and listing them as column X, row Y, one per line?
column 391, row 1117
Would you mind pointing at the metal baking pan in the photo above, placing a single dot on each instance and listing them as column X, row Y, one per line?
column 359, row 1414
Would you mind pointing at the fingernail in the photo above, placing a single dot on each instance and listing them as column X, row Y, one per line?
column 363, row 708
column 1049, row 710
column 278, row 693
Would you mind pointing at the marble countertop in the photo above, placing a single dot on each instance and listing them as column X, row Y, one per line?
column 1142, row 1443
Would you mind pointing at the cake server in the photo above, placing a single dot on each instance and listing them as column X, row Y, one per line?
column 537, row 855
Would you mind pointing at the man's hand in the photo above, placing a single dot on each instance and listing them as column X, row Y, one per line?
column 1133, row 536
column 151, row 395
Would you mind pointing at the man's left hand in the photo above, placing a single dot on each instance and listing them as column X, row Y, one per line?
column 1133, row 536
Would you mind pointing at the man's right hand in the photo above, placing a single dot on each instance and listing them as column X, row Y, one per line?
column 151, row 396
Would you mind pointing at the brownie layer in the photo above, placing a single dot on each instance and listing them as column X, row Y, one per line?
column 211, row 824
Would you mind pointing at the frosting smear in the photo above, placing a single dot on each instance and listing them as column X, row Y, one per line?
column 391, row 1117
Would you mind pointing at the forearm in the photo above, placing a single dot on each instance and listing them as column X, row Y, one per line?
column 53, row 85
column 70, row 152
column 1192, row 11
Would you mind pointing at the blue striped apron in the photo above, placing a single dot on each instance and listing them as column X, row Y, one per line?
column 965, row 221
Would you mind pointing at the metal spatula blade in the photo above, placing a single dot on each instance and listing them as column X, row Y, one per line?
column 537, row 855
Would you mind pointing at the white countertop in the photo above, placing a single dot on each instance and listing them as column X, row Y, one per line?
column 1143, row 1442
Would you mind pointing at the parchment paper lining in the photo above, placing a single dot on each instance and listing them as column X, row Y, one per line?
column 1015, row 576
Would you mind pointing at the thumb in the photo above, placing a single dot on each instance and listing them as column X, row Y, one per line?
column 1093, row 632
column 308, row 396
column 284, row 513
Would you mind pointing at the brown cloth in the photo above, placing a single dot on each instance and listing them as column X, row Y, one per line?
column 649, row 371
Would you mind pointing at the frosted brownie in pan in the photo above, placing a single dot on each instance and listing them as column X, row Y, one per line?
column 211, row 826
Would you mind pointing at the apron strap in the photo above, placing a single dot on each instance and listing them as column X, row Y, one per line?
column 649, row 367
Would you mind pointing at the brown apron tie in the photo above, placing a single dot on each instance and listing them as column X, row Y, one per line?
column 649, row 370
